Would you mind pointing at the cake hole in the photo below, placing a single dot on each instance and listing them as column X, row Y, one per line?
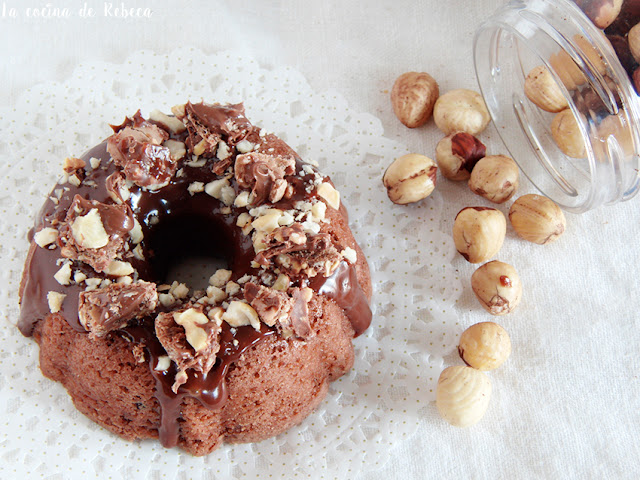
column 188, row 249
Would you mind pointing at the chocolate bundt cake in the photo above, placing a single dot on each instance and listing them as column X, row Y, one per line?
column 240, row 360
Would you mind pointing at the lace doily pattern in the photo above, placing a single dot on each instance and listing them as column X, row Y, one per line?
column 398, row 359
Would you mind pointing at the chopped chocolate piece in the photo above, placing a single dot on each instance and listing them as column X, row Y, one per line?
column 282, row 240
column 296, row 252
column 272, row 306
column 265, row 174
column 136, row 147
column 300, row 312
column 208, row 125
column 117, row 188
column 289, row 313
column 94, row 232
column 322, row 257
column 190, row 339
column 110, row 308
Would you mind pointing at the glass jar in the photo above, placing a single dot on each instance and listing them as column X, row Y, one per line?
column 557, row 35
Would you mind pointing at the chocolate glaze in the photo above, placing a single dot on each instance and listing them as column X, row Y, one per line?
column 342, row 286
column 209, row 389
column 152, row 209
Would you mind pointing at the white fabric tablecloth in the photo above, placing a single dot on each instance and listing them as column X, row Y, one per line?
column 567, row 402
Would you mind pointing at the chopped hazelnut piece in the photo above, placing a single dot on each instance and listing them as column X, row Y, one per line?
column 191, row 319
column 164, row 362
column 220, row 278
column 89, row 231
column 118, row 268
column 330, row 194
column 240, row 314
column 172, row 123
column 177, row 150
column 45, row 237
column 71, row 164
column 55, row 299
column 63, row 276
column 350, row 255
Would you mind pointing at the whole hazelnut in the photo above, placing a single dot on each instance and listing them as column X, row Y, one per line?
column 462, row 395
column 568, row 70
column 567, row 135
column 410, row 178
column 634, row 41
column 461, row 111
column 484, row 346
column 413, row 96
column 614, row 130
column 601, row 12
column 457, row 154
column 541, row 88
column 537, row 219
column 495, row 178
column 478, row 233
column 497, row 287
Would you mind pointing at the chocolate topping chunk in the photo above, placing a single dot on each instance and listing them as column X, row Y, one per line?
column 212, row 123
column 136, row 147
column 115, row 185
column 300, row 312
column 281, row 241
column 290, row 314
column 265, row 174
column 113, row 223
column 295, row 252
column 112, row 307
column 271, row 305
column 174, row 339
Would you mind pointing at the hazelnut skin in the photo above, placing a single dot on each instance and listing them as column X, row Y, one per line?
column 462, row 395
column 541, row 88
column 484, row 346
column 567, row 135
column 457, row 154
column 412, row 98
column 495, row 178
column 497, row 287
column 537, row 219
column 461, row 110
column 410, row 178
column 478, row 233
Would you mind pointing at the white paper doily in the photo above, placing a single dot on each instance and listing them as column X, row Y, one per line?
column 398, row 359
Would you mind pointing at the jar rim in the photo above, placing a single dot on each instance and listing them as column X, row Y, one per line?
column 539, row 26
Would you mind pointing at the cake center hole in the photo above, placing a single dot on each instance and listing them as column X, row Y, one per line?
column 189, row 250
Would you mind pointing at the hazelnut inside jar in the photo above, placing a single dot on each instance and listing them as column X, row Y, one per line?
column 569, row 60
